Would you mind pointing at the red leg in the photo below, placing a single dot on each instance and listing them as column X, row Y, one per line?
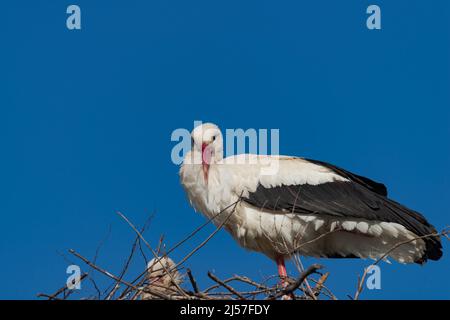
column 281, row 269
column 283, row 276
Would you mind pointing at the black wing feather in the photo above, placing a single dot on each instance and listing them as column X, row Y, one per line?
column 359, row 198
column 366, row 182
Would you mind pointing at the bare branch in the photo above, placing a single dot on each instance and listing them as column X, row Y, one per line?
column 294, row 286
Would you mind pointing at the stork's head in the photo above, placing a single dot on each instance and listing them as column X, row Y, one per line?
column 207, row 140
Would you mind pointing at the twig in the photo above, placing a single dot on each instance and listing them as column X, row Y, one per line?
column 201, row 226
column 130, row 257
column 158, row 259
column 190, row 236
column 109, row 274
column 61, row 290
column 294, row 286
column 361, row 281
column 319, row 284
column 249, row 281
column 193, row 282
column 210, row 236
column 226, row 286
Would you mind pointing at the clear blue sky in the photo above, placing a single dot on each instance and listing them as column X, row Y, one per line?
column 86, row 118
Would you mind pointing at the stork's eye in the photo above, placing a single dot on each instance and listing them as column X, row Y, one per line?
column 192, row 141
column 214, row 138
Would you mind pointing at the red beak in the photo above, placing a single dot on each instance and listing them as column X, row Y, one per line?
column 206, row 158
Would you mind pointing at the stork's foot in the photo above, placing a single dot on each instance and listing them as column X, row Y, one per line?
column 284, row 284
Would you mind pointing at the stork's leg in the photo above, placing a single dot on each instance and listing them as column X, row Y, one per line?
column 283, row 276
column 282, row 270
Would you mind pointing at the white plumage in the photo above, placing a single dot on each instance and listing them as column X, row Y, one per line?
column 160, row 281
column 292, row 204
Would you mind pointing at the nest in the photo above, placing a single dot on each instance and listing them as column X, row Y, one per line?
column 167, row 280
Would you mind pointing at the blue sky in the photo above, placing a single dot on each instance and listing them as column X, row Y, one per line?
column 86, row 118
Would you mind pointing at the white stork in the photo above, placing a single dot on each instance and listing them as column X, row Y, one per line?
column 308, row 207
column 158, row 280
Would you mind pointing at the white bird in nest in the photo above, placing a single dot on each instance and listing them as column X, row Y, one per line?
column 285, row 205
column 161, row 277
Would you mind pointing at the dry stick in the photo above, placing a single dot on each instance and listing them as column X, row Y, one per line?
column 113, row 291
column 155, row 255
column 309, row 290
column 191, row 235
column 160, row 244
column 294, row 286
column 210, row 236
column 300, row 265
column 158, row 259
column 61, row 290
column 165, row 288
column 127, row 290
column 140, row 283
column 128, row 261
column 249, row 281
column 201, row 226
column 141, row 250
column 319, row 284
column 207, row 290
column 254, row 293
column 226, row 286
column 162, row 286
column 317, row 238
column 327, row 292
column 94, row 260
column 95, row 287
column 197, row 292
column 101, row 243
column 271, row 277
column 109, row 274
column 361, row 281
column 261, row 288
column 206, row 240
column 49, row 297
column 145, row 258
column 241, row 279
column 193, row 282
column 227, row 294
column 221, row 296
column 238, row 278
